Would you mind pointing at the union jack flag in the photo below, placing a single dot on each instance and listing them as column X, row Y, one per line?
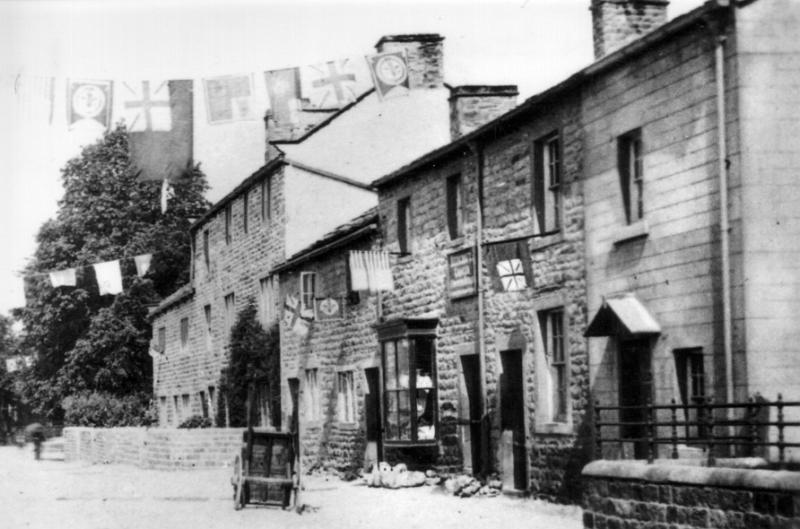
column 512, row 275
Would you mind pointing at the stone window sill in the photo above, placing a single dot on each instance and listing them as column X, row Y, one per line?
column 554, row 428
column 637, row 230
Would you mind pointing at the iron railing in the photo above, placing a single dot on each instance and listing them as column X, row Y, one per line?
column 724, row 429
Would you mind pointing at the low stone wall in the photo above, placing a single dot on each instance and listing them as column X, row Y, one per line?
column 156, row 448
column 633, row 494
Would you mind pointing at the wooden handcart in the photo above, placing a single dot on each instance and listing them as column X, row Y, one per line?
column 265, row 471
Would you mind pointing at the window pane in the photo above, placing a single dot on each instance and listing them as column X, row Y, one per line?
column 402, row 364
column 390, row 365
column 404, row 413
column 426, row 429
column 391, row 416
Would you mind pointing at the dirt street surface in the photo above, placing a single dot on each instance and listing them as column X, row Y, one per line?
column 53, row 494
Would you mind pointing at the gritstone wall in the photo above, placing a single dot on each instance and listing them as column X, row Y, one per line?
column 154, row 448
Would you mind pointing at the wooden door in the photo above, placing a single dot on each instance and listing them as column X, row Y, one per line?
column 514, row 456
column 372, row 411
column 634, row 392
column 469, row 413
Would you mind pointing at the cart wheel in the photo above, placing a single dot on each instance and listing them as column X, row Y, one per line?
column 237, row 480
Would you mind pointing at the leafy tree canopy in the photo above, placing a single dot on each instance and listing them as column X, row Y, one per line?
column 84, row 341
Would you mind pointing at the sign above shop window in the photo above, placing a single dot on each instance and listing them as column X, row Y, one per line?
column 461, row 274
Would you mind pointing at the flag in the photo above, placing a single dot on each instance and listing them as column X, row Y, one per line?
column 160, row 120
column 330, row 308
column 283, row 89
column 509, row 264
column 142, row 263
column 358, row 272
column 333, row 84
column 89, row 101
column 229, row 98
column 109, row 277
column 63, row 278
column 294, row 319
column 389, row 73
column 35, row 95
column 370, row 271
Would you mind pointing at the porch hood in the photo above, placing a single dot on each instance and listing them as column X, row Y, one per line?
column 622, row 316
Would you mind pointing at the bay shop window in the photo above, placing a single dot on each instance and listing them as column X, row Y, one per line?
column 408, row 357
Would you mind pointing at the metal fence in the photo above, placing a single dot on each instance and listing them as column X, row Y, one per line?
column 724, row 429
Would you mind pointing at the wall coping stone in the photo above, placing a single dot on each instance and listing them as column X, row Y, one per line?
column 666, row 471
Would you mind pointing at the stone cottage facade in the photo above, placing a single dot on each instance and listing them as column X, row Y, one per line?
column 282, row 208
column 605, row 189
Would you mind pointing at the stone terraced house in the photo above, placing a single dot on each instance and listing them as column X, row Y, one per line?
column 317, row 176
column 627, row 235
column 592, row 212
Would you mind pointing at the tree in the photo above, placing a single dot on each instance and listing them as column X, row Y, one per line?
column 85, row 341
column 254, row 362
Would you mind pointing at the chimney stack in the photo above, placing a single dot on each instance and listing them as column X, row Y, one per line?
column 424, row 55
column 618, row 22
column 474, row 105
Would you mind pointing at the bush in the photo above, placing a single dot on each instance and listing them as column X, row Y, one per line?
column 196, row 421
column 105, row 410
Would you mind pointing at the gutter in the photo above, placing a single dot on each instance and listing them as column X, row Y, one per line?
column 720, row 38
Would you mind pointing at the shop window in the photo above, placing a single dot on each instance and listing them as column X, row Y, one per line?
column 409, row 371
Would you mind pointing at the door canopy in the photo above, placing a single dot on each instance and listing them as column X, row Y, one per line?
column 623, row 316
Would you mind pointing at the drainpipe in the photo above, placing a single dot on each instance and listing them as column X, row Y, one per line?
column 478, row 152
column 724, row 226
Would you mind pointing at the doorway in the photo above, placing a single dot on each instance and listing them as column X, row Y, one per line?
column 513, row 453
column 372, row 410
column 469, row 414
column 635, row 390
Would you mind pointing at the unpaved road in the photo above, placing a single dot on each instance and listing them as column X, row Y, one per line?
column 53, row 494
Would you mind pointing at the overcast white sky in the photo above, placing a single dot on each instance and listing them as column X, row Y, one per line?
column 531, row 43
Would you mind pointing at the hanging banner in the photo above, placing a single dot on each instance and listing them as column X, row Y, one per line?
column 334, row 84
column 509, row 265
column 389, row 73
column 109, row 277
column 89, row 101
column 63, row 278
column 142, row 263
column 160, row 120
column 294, row 319
column 229, row 98
column 330, row 308
column 370, row 272
column 283, row 89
